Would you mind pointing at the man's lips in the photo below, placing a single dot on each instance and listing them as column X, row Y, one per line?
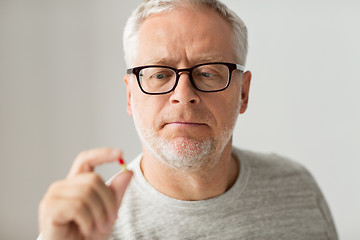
column 184, row 124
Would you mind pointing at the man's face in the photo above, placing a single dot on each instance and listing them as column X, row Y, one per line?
column 185, row 127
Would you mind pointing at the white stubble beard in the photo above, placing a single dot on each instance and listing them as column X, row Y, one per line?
column 183, row 153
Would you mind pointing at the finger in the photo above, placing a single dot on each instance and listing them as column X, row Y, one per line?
column 98, row 210
column 119, row 184
column 103, row 201
column 107, row 197
column 84, row 219
column 80, row 215
column 91, row 188
column 86, row 161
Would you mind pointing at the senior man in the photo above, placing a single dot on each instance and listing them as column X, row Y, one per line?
column 186, row 86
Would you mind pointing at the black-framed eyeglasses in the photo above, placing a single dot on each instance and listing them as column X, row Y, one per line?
column 205, row 77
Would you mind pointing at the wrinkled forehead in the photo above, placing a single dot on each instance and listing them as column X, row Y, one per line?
column 189, row 32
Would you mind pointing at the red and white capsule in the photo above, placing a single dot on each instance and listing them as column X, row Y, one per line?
column 122, row 164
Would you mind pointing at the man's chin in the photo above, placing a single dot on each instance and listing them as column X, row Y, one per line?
column 184, row 152
column 186, row 145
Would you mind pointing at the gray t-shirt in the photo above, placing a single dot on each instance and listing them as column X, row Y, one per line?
column 272, row 198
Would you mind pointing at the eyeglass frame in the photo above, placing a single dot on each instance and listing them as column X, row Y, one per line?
column 231, row 67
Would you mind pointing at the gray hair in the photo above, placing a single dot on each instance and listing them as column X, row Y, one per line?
column 149, row 7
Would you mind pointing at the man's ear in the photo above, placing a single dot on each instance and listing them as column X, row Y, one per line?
column 127, row 80
column 245, row 88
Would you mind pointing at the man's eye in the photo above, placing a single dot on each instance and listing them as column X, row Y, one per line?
column 159, row 76
column 206, row 74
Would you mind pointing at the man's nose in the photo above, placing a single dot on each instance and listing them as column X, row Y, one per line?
column 184, row 91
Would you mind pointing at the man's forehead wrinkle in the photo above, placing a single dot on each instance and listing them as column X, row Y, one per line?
column 157, row 61
column 173, row 62
column 167, row 61
column 211, row 59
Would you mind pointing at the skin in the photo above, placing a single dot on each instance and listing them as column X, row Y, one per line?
column 175, row 116
column 81, row 206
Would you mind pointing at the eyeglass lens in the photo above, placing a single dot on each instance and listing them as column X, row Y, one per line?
column 210, row 77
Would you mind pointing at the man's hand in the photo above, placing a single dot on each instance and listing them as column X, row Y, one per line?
column 82, row 206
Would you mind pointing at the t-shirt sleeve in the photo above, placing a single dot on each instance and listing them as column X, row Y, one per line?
column 323, row 207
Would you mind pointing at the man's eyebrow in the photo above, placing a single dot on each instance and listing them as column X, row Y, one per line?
column 162, row 61
column 211, row 59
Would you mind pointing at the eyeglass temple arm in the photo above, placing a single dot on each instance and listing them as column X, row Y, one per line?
column 240, row 67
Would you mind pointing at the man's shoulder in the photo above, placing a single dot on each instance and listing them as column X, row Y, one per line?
column 270, row 163
column 281, row 174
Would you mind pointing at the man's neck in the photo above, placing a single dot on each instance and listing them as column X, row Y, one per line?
column 203, row 184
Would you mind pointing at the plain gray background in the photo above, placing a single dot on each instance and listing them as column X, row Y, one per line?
column 62, row 91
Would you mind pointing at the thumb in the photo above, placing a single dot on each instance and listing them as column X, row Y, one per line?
column 119, row 184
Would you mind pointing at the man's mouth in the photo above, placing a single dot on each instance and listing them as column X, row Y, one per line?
column 184, row 124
